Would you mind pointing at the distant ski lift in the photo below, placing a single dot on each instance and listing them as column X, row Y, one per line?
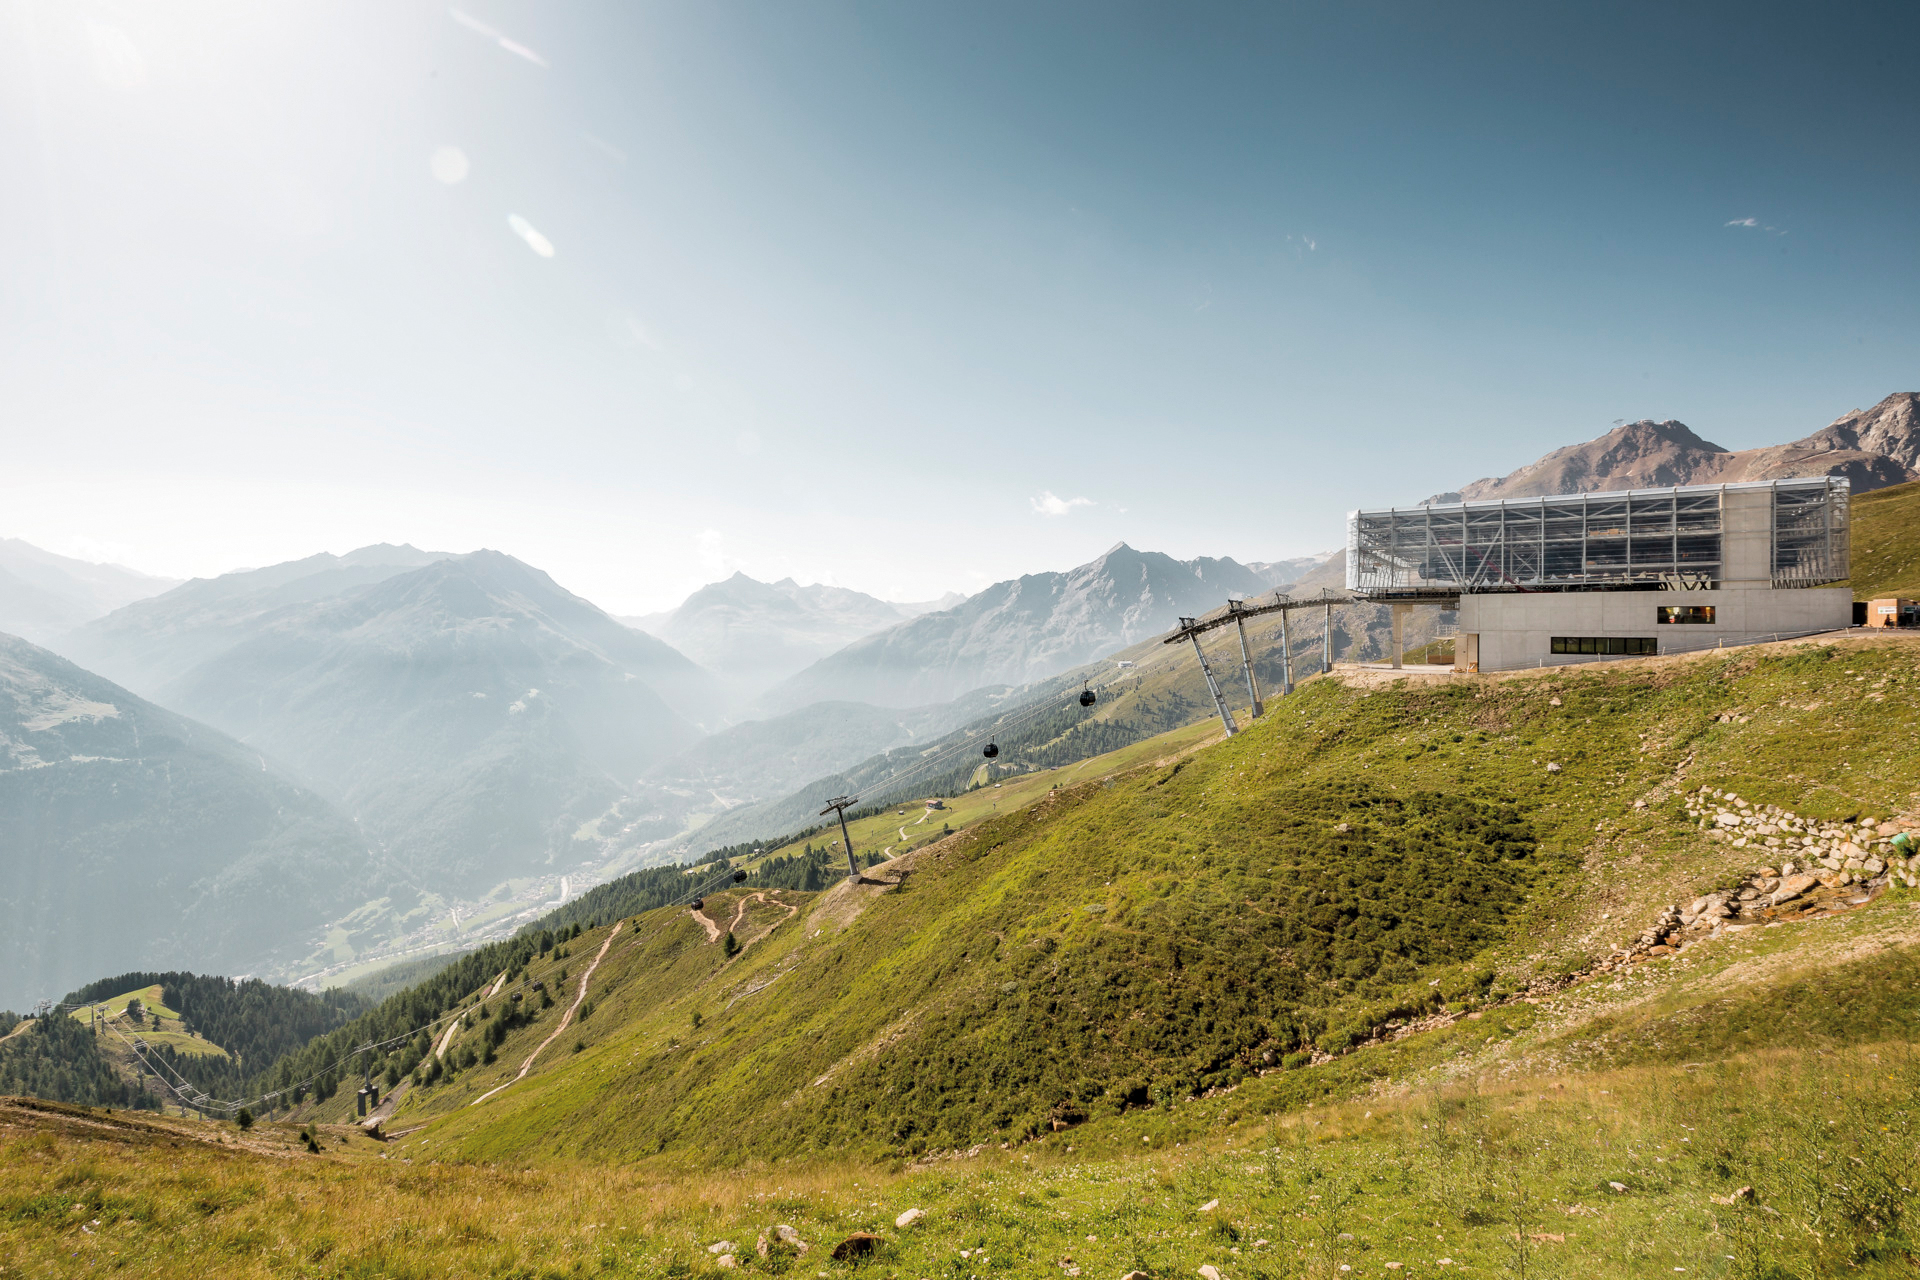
column 738, row 876
column 991, row 751
column 1086, row 698
column 698, row 903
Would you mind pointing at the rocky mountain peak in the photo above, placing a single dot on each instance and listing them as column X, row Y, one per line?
column 1890, row 429
column 1872, row 448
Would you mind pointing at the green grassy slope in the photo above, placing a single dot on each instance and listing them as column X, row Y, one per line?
column 1886, row 542
column 1138, row 940
column 1610, row 1176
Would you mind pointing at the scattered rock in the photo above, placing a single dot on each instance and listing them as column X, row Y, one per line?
column 1618, row 1186
column 1791, row 887
column 1552, row 767
column 1734, row 1197
column 1209, row 1272
column 725, row 1262
column 1209, row 1206
column 908, row 1218
column 1553, row 702
column 789, row 1236
column 723, row 1246
column 857, row 1245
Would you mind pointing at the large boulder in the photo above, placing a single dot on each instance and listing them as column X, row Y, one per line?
column 1792, row 887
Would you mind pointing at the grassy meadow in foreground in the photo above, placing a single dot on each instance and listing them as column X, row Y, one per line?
column 1615, row 1174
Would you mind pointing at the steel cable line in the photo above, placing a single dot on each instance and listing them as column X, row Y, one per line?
column 952, row 755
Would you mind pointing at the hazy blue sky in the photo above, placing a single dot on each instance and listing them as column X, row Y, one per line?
column 904, row 296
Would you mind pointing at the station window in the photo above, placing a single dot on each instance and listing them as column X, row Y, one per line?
column 1686, row 613
column 1637, row 646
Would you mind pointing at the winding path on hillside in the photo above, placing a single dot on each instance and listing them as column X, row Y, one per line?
column 566, row 1019
column 741, row 912
column 713, row 930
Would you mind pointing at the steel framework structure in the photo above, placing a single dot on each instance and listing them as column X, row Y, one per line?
column 1585, row 540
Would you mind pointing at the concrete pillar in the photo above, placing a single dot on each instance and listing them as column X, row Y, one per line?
column 361, row 1101
column 1400, row 612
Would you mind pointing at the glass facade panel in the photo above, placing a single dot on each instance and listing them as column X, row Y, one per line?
column 1575, row 541
column 1685, row 613
column 1809, row 539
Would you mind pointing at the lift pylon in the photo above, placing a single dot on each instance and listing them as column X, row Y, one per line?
column 1191, row 629
column 1246, row 656
column 838, row 805
column 1326, row 636
column 1237, row 613
column 1286, row 655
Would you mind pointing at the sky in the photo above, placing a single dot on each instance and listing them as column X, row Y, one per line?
column 915, row 297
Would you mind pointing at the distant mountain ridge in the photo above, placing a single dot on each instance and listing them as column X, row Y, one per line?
column 755, row 634
column 1020, row 630
column 1873, row 448
column 43, row 595
column 133, row 835
column 147, row 645
column 469, row 712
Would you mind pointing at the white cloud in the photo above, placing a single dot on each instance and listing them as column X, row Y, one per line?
column 1744, row 222
column 1051, row 504
column 449, row 165
column 525, row 230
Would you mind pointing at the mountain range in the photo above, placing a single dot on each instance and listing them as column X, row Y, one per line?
column 1020, row 630
column 1873, row 448
column 754, row 634
column 469, row 713
column 43, row 595
column 151, row 644
column 130, row 832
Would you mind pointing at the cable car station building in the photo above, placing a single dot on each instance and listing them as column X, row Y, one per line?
column 1584, row 576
